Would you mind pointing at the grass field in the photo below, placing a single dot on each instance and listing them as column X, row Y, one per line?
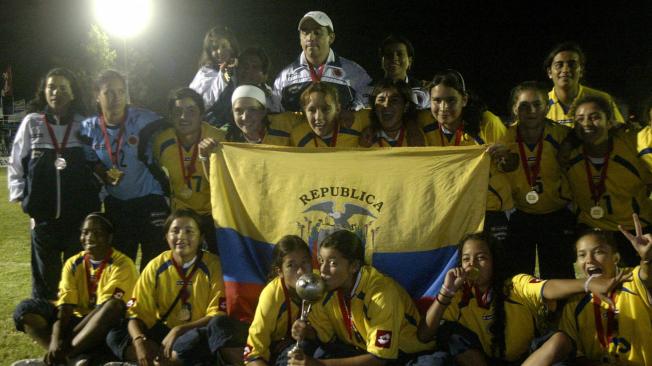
column 15, row 282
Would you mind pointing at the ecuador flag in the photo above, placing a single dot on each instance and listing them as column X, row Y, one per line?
column 409, row 205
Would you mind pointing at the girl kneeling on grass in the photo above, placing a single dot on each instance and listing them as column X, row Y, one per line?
column 177, row 313
column 279, row 306
column 94, row 285
column 365, row 317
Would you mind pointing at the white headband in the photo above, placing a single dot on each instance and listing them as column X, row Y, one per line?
column 249, row 91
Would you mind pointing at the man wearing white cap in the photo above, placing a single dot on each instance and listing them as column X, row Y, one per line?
column 317, row 63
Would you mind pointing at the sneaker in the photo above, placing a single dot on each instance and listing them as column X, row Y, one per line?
column 29, row 362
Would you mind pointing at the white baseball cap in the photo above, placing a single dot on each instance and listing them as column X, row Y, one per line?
column 318, row 16
column 249, row 91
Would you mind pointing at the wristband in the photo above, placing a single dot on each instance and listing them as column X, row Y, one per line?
column 203, row 158
column 441, row 302
column 588, row 280
column 446, row 291
column 141, row 336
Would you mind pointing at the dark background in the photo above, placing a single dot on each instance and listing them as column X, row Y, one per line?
column 494, row 44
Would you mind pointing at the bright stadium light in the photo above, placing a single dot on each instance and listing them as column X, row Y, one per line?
column 123, row 18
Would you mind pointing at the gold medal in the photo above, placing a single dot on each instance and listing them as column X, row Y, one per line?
column 185, row 193
column 60, row 163
column 532, row 197
column 114, row 174
column 597, row 212
column 184, row 314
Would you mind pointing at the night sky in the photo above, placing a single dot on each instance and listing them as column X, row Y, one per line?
column 494, row 46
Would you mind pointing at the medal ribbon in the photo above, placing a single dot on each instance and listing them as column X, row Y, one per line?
column 398, row 142
column 187, row 173
column 92, row 281
column 315, row 75
column 345, row 305
column 604, row 339
column 458, row 135
column 530, row 174
column 186, row 279
column 600, row 188
column 288, row 305
column 58, row 149
column 483, row 299
column 107, row 141
column 333, row 139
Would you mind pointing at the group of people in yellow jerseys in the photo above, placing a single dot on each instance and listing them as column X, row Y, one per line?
column 568, row 184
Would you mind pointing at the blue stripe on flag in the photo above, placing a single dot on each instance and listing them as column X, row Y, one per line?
column 243, row 259
column 420, row 273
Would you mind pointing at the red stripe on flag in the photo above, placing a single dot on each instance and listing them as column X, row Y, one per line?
column 241, row 299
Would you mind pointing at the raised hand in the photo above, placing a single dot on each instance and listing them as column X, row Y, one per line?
column 642, row 243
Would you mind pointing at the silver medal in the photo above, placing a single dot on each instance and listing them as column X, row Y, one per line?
column 532, row 197
column 60, row 163
column 597, row 212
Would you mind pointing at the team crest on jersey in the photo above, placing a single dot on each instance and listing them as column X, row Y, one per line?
column 325, row 210
column 118, row 293
column 131, row 302
column 383, row 338
column 132, row 140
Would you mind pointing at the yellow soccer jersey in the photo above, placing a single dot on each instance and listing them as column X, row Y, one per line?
column 521, row 309
column 559, row 114
column 492, row 130
column 272, row 322
column 166, row 154
column 551, row 184
column 631, row 342
column 117, row 280
column 302, row 135
column 280, row 125
column 383, row 318
column 644, row 146
column 626, row 190
column 160, row 283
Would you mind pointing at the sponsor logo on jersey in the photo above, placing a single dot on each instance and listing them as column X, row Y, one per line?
column 118, row 293
column 383, row 338
column 132, row 140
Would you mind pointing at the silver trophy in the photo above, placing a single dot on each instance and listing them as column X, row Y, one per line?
column 310, row 288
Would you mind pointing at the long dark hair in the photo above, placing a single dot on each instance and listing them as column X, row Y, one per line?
column 214, row 34
column 39, row 102
column 472, row 112
column 500, row 291
column 285, row 246
column 410, row 112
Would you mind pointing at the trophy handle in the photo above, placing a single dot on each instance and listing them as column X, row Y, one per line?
column 305, row 309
